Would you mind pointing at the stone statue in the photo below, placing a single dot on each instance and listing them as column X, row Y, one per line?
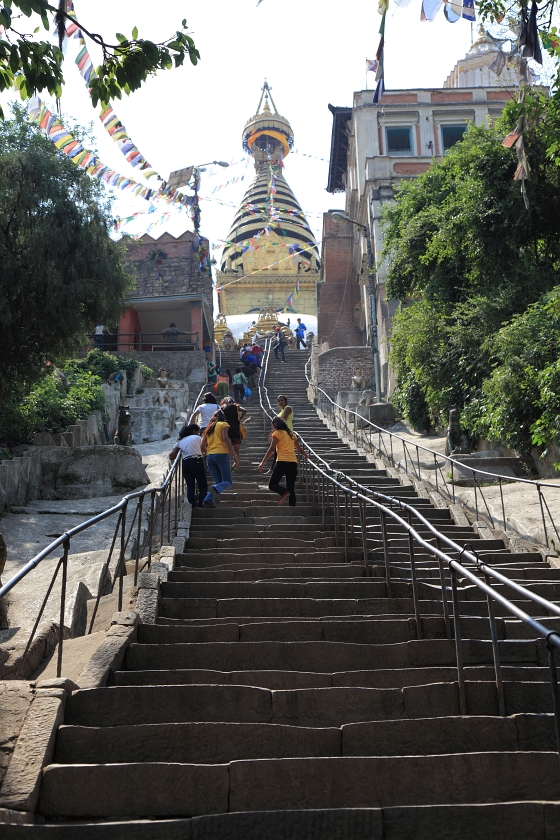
column 228, row 341
column 162, row 378
column 457, row 443
column 358, row 380
column 309, row 339
column 123, row 435
column 368, row 398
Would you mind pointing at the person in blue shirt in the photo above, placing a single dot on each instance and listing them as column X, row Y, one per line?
column 300, row 334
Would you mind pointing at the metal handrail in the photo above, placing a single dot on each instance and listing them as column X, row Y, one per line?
column 322, row 479
column 167, row 493
column 416, row 468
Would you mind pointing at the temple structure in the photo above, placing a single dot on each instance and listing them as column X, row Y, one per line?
column 270, row 261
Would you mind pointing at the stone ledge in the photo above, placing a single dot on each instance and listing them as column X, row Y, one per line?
column 109, row 656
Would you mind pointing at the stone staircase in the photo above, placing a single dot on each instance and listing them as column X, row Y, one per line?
column 283, row 694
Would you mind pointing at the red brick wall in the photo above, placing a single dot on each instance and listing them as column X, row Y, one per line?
column 339, row 293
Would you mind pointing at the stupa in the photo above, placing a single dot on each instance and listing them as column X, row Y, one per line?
column 270, row 261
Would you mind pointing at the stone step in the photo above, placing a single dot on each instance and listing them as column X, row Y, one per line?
column 359, row 630
column 173, row 610
column 348, row 570
column 218, row 743
column 322, row 656
column 366, row 588
column 118, row 790
column 379, row 678
column 501, row 821
column 314, row 707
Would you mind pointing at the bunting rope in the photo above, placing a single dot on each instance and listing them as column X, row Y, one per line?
column 65, row 142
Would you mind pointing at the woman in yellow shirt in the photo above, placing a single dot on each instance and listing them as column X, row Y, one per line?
column 219, row 449
column 284, row 445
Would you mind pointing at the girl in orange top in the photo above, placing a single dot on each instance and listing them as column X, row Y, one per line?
column 284, row 444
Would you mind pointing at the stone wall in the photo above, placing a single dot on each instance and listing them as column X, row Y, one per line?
column 332, row 369
column 168, row 266
column 340, row 308
column 180, row 364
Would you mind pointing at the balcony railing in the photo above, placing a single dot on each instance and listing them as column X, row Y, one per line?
column 146, row 342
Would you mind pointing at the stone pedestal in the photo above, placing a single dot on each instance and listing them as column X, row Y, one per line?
column 381, row 414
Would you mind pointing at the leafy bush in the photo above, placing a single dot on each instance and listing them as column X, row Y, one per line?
column 51, row 407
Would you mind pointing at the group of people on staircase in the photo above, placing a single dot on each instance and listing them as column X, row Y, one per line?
column 217, row 438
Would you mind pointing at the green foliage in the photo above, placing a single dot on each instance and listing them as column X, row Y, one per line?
column 520, row 400
column 466, row 258
column 50, row 406
column 33, row 65
column 103, row 365
column 60, row 271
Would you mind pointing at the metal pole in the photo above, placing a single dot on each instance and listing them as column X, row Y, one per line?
column 458, row 645
column 417, row 616
column 121, row 555
column 444, row 594
column 66, row 546
column 554, row 686
column 386, row 553
column 345, row 527
column 495, row 653
column 364, row 536
column 151, row 528
column 138, row 535
column 336, row 513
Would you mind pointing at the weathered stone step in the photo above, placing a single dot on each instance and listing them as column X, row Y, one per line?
column 118, row 790
column 186, row 609
column 366, row 588
column 348, row 570
column 199, row 743
column 217, row 743
column 379, row 678
column 359, row 631
column 502, row 821
column 326, row 656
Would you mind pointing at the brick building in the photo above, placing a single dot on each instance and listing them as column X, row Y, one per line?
column 339, row 318
column 374, row 147
column 173, row 284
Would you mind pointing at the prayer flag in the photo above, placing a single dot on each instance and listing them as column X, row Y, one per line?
column 371, row 65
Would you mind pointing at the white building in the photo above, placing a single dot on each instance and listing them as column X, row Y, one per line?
column 375, row 146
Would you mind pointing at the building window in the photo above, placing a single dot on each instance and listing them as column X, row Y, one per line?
column 451, row 134
column 399, row 141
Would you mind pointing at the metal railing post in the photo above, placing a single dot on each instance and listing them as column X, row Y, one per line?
column 138, row 536
column 554, row 687
column 364, row 535
column 345, row 527
column 386, row 557
column 121, row 555
column 151, row 528
column 458, row 644
column 496, row 654
column 66, row 546
column 414, row 582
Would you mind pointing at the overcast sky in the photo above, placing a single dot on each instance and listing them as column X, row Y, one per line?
column 311, row 52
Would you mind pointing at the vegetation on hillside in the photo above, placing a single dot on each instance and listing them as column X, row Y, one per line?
column 478, row 276
column 52, row 404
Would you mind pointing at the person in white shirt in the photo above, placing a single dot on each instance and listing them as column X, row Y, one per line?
column 192, row 449
column 206, row 410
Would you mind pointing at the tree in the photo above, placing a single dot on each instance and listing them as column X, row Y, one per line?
column 465, row 256
column 35, row 65
column 60, row 271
